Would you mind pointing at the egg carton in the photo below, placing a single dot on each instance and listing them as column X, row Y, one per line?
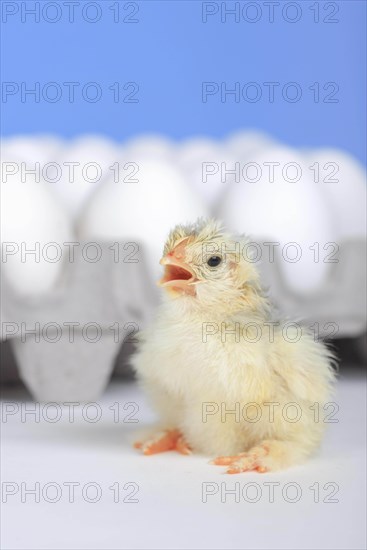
column 337, row 309
column 170, row 190
column 65, row 342
column 108, row 302
column 157, row 182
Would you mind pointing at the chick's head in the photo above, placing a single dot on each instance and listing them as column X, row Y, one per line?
column 207, row 267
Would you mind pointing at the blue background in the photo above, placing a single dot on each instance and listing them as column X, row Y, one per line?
column 170, row 51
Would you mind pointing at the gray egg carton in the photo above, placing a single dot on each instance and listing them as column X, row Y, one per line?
column 339, row 305
column 121, row 297
column 106, row 302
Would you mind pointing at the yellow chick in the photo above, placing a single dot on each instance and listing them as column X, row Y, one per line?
column 224, row 377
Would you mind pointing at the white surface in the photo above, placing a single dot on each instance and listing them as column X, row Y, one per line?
column 170, row 512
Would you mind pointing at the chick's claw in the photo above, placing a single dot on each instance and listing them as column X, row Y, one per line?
column 182, row 446
column 244, row 462
column 226, row 460
column 246, row 466
column 167, row 440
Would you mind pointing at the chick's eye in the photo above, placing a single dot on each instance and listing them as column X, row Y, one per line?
column 214, row 261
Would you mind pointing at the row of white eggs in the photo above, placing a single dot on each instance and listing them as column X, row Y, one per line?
column 320, row 199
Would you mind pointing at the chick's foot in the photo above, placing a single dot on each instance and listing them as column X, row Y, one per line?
column 167, row 440
column 254, row 459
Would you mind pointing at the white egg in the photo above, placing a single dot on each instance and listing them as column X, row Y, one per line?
column 32, row 149
column 149, row 146
column 246, row 145
column 343, row 181
column 283, row 211
column 209, row 167
column 142, row 212
column 32, row 220
column 84, row 164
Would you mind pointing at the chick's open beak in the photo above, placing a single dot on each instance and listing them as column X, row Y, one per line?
column 176, row 271
column 178, row 275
